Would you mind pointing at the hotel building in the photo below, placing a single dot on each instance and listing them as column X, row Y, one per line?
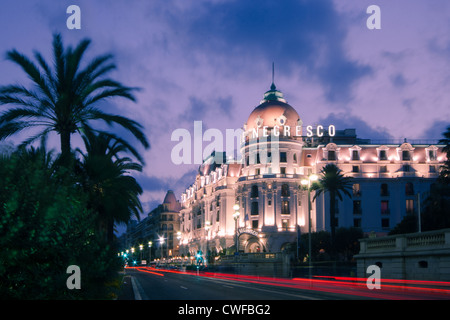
column 266, row 184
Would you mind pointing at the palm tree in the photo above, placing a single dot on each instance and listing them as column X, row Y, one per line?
column 335, row 183
column 63, row 98
column 114, row 194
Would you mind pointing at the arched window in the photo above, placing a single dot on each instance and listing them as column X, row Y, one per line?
column 254, row 193
column 285, row 190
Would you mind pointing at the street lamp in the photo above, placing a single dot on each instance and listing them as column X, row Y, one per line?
column 161, row 242
column 141, row 247
column 150, row 251
column 307, row 183
column 236, row 217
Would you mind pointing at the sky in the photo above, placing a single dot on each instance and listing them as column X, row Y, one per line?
column 211, row 61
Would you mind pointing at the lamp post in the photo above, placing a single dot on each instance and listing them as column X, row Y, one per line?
column 150, row 251
column 236, row 217
column 141, row 247
column 161, row 243
column 307, row 182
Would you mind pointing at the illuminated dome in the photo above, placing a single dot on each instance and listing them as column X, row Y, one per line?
column 273, row 111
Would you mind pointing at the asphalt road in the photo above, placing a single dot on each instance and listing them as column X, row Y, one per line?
column 168, row 285
column 161, row 285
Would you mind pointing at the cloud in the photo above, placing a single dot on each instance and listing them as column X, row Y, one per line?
column 306, row 34
column 363, row 129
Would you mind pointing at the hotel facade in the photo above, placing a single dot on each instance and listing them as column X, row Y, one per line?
column 259, row 201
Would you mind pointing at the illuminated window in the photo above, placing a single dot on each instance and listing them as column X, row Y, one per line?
column 356, row 190
column 409, row 206
column 355, row 155
column 285, row 207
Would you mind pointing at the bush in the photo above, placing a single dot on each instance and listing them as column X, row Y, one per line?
column 45, row 226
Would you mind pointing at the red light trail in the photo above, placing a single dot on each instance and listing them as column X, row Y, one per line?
column 391, row 289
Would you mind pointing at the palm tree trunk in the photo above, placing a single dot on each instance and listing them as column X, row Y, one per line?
column 333, row 219
column 65, row 147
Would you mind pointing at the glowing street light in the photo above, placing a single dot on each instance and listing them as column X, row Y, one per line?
column 236, row 217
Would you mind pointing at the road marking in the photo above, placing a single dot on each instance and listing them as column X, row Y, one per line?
column 138, row 290
column 183, row 287
column 137, row 295
column 228, row 286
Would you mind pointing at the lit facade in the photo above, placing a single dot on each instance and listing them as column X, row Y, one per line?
column 266, row 184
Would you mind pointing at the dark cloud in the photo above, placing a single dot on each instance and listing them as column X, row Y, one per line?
column 363, row 129
column 291, row 33
column 178, row 185
column 436, row 130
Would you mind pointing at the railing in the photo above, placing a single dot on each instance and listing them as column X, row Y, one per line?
column 430, row 239
column 253, row 257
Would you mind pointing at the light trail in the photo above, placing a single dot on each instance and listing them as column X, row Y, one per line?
column 391, row 289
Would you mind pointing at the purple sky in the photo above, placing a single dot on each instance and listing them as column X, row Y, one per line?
column 211, row 60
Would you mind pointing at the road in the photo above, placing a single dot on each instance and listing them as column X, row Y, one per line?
column 160, row 284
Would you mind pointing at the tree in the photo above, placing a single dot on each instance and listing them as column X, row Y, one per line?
column 332, row 180
column 45, row 226
column 113, row 194
column 63, row 99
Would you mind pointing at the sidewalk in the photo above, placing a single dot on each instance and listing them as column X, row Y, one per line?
column 126, row 289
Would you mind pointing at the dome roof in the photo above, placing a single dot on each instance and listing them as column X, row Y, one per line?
column 273, row 111
column 170, row 198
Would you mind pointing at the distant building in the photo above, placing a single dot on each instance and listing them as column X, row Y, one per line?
column 160, row 228
column 265, row 185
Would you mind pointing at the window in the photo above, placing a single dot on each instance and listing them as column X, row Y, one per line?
column 383, row 169
column 285, row 190
column 257, row 172
column 385, row 207
column 255, row 208
column 285, row 224
column 355, row 155
column 432, row 155
column 332, row 155
column 255, row 224
column 384, row 192
column 283, row 157
column 357, row 223
column 356, row 190
column 269, row 202
column 409, row 189
column 254, row 193
column 295, row 158
column 432, row 169
column 406, row 168
column 405, row 155
column 385, row 223
column 383, row 155
column 357, row 207
column 355, row 169
column 285, row 207
column 409, row 206
column 283, row 170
